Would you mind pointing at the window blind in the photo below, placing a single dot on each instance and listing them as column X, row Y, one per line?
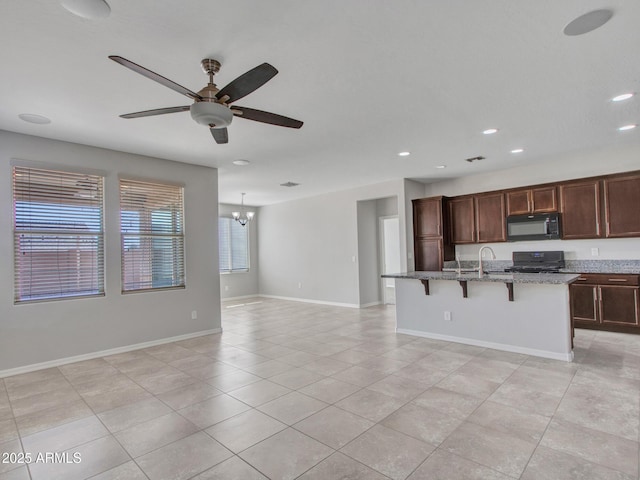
column 233, row 241
column 58, row 234
column 152, row 235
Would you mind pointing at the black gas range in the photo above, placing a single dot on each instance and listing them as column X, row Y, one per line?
column 537, row 262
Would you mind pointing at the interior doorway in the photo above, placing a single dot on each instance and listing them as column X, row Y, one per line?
column 389, row 234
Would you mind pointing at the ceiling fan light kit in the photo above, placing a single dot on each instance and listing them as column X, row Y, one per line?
column 211, row 105
column 212, row 114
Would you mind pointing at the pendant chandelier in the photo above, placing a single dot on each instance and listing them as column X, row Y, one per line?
column 242, row 217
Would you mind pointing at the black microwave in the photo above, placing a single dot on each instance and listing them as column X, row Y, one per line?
column 539, row 226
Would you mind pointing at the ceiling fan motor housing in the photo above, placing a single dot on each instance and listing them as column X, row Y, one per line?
column 211, row 114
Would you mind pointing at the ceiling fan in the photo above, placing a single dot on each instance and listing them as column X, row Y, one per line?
column 211, row 106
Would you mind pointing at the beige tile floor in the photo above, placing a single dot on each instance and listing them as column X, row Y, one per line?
column 293, row 390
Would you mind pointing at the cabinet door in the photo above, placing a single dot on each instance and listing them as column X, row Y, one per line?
column 462, row 220
column 429, row 254
column 518, row 202
column 427, row 217
column 544, row 199
column 619, row 305
column 622, row 206
column 580, row 208
column 490, row 218
column 584, row 301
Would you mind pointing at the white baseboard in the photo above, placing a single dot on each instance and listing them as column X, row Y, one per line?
column 567, row 357
column 240, row 297
column 308, row 300
column 372, row 304
column 103, row 353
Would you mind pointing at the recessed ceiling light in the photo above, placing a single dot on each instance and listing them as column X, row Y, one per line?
column 588, row 22
column 441, row 166
column 33, row 118
column 517, row 150
column 490, row 131
column 404, row 154
column 624, row 96
column 627, row 127
column 241, row 162
column 289, row 184
column 90, row 9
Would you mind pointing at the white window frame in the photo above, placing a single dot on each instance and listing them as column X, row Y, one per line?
column 145, row 237
column 229, row 253
column 54, row 226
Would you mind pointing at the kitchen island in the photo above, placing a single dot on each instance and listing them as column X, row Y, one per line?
column 530, row 316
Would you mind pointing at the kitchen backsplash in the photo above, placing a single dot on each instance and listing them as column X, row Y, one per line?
column 578, row 266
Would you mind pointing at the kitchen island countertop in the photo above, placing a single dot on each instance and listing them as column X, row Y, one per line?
column 505, row 277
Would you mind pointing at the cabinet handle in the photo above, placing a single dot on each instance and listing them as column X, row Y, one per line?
column 582, row 279
column 616, row 279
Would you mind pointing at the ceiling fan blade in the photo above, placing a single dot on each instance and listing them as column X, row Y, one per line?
column 266, row 117
column 155, row 77
column 248, row 82
column 221, row 135
column 157, row 111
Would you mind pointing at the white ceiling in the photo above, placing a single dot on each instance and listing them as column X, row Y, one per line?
column 369, row 78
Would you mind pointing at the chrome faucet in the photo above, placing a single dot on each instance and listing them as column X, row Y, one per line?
column 493, row 257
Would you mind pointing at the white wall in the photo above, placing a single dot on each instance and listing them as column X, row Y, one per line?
column 40, row 332
column 242, row 284
column 575, row 165
column 307, row 246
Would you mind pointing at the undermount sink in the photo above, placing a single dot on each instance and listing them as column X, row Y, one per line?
column 461, row 270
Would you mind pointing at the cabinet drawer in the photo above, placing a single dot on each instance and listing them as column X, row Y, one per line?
column 608, row 279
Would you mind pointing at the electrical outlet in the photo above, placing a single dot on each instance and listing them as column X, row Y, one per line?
column 194, row 315
column 447, row 315
column 226, row 288
column 595, row 251
column 299, row 284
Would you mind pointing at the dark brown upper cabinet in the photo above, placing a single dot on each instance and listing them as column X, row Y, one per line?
column 462, row 220
column 580, row 208
column 427, row 217
column 477, row 218
column 532, row 200
column 431, row 244
column 622, row 206
column 490, row 218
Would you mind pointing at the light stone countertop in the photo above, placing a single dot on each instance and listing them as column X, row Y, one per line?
column 539, row 278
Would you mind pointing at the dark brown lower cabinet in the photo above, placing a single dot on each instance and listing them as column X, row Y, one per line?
column 431, row 253
column 606, row 302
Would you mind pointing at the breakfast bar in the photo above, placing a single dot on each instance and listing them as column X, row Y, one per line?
column 530, row 316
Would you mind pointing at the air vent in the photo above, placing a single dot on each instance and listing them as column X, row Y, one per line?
column 473, row 159
column 289, row 184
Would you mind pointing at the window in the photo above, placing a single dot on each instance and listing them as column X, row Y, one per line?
column 58, row 234
column 152, row 235
column 234, row 245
